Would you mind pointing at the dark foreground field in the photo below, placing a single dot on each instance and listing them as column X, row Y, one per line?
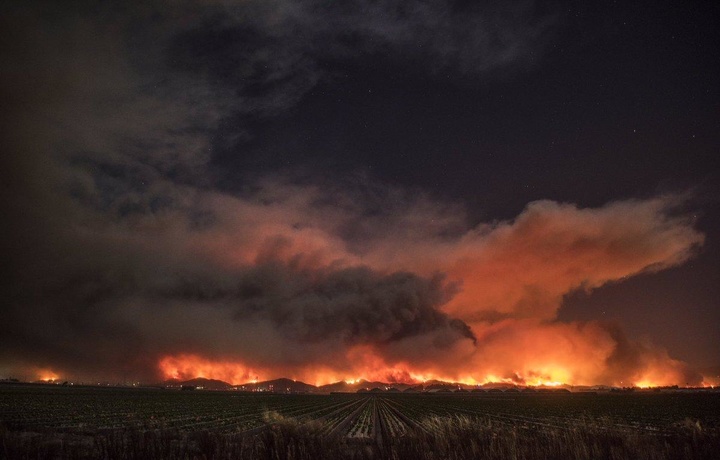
column 65, row 422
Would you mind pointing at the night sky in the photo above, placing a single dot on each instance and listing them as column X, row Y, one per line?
column 400, row 190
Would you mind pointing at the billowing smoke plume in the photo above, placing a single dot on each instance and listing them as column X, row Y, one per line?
column 123, row 259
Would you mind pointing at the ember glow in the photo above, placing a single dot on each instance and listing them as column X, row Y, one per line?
column 189, row 366
column 645, row 384
column 185, row 367
column 367, row 365
column 47, row 375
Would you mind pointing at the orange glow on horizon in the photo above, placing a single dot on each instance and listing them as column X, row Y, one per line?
column 711, row 381
column 371, row 369
column 646, row 384
column 369, row 366
column 46, row 375
column 186, row 367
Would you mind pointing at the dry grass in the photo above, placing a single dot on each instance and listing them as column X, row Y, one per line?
column 462, row 437
column 457, row 437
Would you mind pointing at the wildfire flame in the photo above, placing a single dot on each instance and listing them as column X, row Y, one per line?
column 187, row 366
column 46, row 375
column 191, row 366
column 645, row 384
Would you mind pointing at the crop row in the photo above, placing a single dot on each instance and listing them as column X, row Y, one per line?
column 656, row 414
column 101, row 409
column 360, row 418
column 363, row 427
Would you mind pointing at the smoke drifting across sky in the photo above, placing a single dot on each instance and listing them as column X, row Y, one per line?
column 129, row 256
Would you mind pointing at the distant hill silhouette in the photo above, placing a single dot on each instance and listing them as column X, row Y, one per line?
column 286, row 385
column 345, row 387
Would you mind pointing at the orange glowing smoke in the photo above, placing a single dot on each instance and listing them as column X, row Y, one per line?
column 45, row 374
column 711, row 381
column 512, row 277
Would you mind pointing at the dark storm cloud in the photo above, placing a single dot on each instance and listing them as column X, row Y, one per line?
column 116, row 317
column 354, row 305
column 118, row 104
column 273, row 52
